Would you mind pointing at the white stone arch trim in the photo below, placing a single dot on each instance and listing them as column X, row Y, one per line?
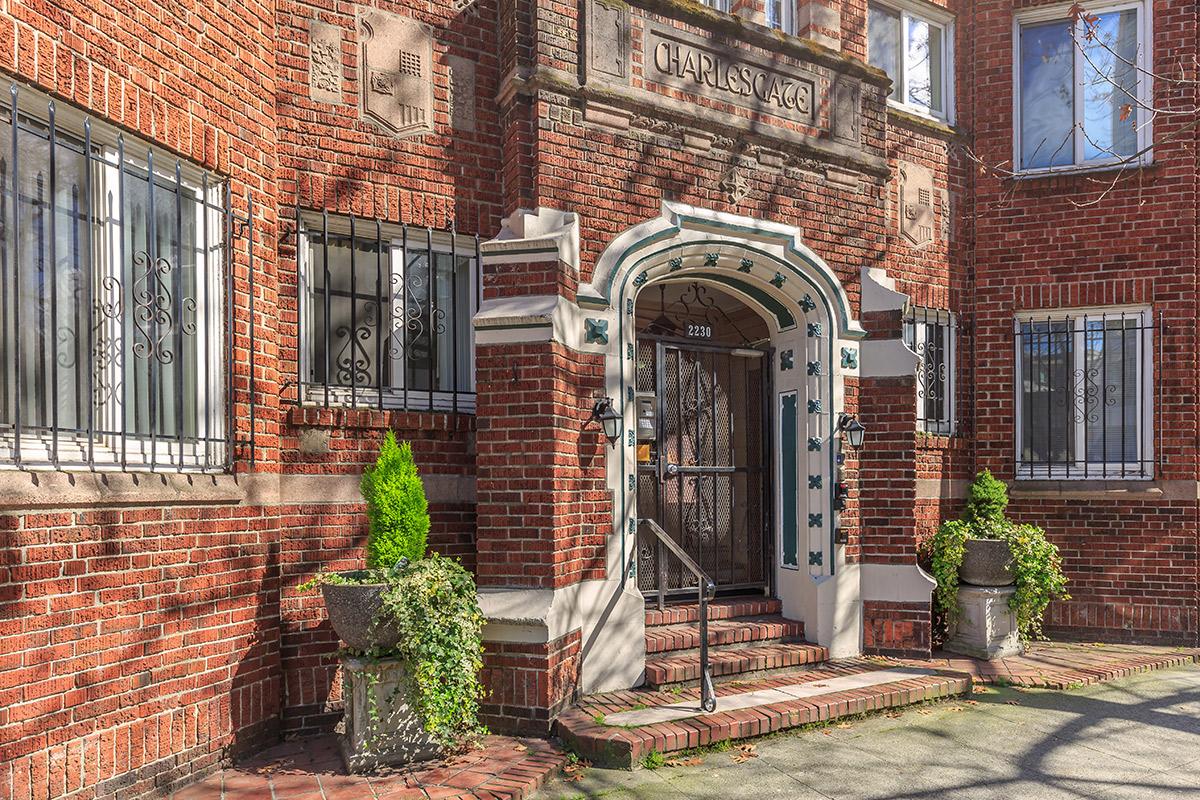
column 774, row 272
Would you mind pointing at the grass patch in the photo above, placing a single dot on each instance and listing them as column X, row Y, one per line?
column 653, row 760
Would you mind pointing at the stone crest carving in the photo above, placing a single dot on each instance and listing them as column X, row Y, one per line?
column 846, row 116
column 916, row 204
column 396, row 82
column 734, row 185
column 607, row 40
column 462, row 93
column 324, row 62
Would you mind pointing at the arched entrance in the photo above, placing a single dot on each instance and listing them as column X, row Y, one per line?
column 806, row 343
column 703, row 437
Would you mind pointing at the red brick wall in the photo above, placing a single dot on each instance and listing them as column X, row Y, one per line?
column 544, row 509
column 902, row 630
column 1065, row 241
column 529, row 684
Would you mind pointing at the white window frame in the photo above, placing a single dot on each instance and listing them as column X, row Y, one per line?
column 1079, row 468
column 909, row 9
column 920, row 318
column 787, row 17
column 1145, row 88
column 394, row 396
column 112, row 452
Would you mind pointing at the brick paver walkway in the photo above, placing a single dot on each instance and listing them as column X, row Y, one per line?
column 505, row 769
column 1064, row 665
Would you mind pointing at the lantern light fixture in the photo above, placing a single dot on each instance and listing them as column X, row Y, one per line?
column 852, row 430
column 609, row 419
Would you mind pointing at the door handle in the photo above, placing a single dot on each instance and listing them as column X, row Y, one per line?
column 672, row 470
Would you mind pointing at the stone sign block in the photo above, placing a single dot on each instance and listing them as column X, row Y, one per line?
column 705, row 68
column 846, row 117
column 396, row 76
column 462, row 93
column 324, row 62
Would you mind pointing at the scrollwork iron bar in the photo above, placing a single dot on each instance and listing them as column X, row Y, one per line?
column 206, row 277
column 230, row 329
column 90, row 305
column 53, row 205
column 250, row 305
column 379, row 317
column 16, row 240
column 431, row 272
column 180, row 356
column 327, row 300
column 454, row 318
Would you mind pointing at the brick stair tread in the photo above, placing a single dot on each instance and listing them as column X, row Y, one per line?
column 741, row 630
column 671, row 668
column 722, row 608
column 582, row 728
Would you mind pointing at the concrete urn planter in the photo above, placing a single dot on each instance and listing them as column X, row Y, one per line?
column 352, row 610
column 986, row 563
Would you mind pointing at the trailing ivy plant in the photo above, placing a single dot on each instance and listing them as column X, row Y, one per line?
column 433, row 602
column 1036, row 565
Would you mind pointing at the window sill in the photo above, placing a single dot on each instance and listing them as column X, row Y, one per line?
column 1098, row 489
column 909, row 116
column 309, row 416
column 1069, row 172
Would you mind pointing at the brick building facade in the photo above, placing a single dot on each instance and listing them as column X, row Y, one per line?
column 252, row 237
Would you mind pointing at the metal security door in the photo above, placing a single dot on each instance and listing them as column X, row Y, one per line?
column 705, row 479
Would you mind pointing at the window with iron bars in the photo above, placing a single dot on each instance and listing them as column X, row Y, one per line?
column 931, row 334
column 386, row 314
column 113, row 346
column 1084, row 394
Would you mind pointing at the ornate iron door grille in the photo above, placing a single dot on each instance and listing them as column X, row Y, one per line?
column 707, row 479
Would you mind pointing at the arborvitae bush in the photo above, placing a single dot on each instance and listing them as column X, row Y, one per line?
column 396, row 507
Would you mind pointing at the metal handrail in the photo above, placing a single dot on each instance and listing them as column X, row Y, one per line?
column 706, row 590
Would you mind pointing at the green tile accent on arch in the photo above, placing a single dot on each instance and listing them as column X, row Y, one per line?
column 776, row 308
column 789, row 474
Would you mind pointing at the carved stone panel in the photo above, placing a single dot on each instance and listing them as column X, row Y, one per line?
column 324, row 62
column 916, row 204
column 703, row 67
column 396, row 77
column 607, row 40
column 462, row 93
column 846, row 116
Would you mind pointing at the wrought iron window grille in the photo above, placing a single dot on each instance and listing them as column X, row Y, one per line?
column 116, row 325
column 399, row 301
column 1085, row 398
column 933, row 335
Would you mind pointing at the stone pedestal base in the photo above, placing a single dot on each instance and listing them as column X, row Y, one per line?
column 986, row 626
column 379, row 728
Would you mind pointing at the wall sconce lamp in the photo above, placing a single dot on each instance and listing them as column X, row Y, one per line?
column 609, row 419
column 852, row 430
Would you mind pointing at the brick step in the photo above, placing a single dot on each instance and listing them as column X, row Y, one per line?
column 742, row 663
column 765, row 628
column 723, row 608
column 595, row 730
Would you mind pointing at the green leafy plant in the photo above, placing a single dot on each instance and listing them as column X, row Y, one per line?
column 1036, row 565
column 396, row 507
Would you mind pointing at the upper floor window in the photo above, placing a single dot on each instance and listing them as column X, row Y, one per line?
column 911, row 45
column 386, row 315
column 1084, row 394
column 1079, row 83
column 780, row 15
column 112, row 334
column 930, row 333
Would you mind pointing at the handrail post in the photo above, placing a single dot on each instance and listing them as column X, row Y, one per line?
column 708, row 698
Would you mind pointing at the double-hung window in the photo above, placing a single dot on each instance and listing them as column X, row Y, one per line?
column 1080, row 87
column 386, row 315
column 112, row 334
column 930, row 333
column 911, row 44
column 1084, row 394
column 781, row 15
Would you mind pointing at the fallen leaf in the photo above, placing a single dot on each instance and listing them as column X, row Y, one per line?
column 745, row 753
column 520, row 748
column 977, row 689
column 844, row 725
column 1013, row 702
column 971, row 702
column 694, row 761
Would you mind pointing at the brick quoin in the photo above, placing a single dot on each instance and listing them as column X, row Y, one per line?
column 151, row 626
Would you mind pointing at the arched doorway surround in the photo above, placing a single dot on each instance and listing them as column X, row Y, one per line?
column 815, row 341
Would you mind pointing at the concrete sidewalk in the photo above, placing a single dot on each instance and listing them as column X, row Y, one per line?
column 1137, row 737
